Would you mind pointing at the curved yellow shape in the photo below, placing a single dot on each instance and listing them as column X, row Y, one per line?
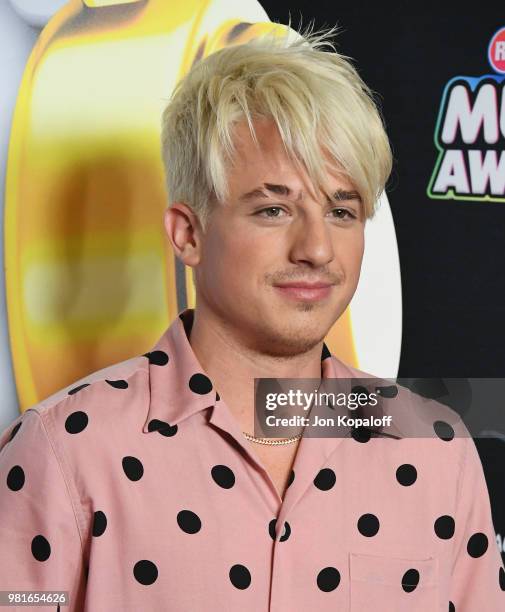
column 99, row 3
column 91, row 278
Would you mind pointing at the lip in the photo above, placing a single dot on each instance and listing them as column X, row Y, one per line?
column 303, row 285
column 305, row 291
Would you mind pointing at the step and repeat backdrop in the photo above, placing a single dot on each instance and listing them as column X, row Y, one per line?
column 89, row 278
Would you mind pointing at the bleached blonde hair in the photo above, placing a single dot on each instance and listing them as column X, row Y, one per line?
column 315, row 96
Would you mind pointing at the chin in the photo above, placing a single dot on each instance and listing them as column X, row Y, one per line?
column 289, row 347
column 286, row 338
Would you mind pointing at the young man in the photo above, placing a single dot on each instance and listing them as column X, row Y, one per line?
column 142, row 486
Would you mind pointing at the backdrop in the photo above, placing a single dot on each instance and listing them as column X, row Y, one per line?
column 89, row 277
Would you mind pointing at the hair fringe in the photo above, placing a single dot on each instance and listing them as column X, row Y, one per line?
column 298, row 78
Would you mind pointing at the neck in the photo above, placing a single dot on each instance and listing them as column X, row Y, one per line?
column 233, row 366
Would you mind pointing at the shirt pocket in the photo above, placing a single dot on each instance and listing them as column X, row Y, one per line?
column 393, row 584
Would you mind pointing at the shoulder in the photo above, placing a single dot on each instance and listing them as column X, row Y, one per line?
column 118, row 376
column 99, row 394
column 422, row 421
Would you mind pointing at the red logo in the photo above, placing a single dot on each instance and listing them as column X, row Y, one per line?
column 496, row 52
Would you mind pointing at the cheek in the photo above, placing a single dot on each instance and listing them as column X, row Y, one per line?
column 237, row 249
column 226, row 261
column 352, row 254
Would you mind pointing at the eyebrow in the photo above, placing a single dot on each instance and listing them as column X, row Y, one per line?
column 284, row 190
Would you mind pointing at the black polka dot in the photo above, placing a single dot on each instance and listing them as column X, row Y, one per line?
column 286, row 533
column 162, row 428
column 410, row 580
column 477, row 545
column 444, row 527
column 15, row 430
column 368, row 525
column 406, row 474
column 223, row 476
column 188, row 521
column 41, row 548
column 159, row 358
column 145, row 572
column 76, row 422
column 359, row 389
column 452, row 607
column 387, row 392
column 325, row 479
column 443, row 430
column 117, row 384
column 99, row 523
column 361, row 434
column 76, row 389
column 201, row 384
column 291, row 478
column 501, row 578
column 16, row 478
column 328, row 579
column 240, row 576
column 133, row 468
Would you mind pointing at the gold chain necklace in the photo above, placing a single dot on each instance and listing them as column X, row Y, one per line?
column 272, row 441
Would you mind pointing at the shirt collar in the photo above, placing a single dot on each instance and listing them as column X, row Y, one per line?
column 179, row 387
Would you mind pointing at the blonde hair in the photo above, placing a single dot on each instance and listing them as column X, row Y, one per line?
column 316, row 98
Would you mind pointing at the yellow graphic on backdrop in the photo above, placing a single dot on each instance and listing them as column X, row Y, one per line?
column 91, row 278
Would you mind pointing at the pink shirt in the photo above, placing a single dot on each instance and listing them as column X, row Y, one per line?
column 135, row 490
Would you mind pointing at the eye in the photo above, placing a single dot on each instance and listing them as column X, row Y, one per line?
column 342, row 214
column 347, row 214
column 264, row 210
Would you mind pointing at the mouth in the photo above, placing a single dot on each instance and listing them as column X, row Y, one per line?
column 305, row 291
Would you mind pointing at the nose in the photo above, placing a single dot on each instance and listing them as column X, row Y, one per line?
column 311, row 241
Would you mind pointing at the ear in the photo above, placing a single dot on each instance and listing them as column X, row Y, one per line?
column 184, row 232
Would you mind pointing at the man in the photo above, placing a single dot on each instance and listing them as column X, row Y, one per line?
column 142, row 486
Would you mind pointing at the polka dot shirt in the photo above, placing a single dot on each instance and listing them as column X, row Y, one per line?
column 135, row 489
